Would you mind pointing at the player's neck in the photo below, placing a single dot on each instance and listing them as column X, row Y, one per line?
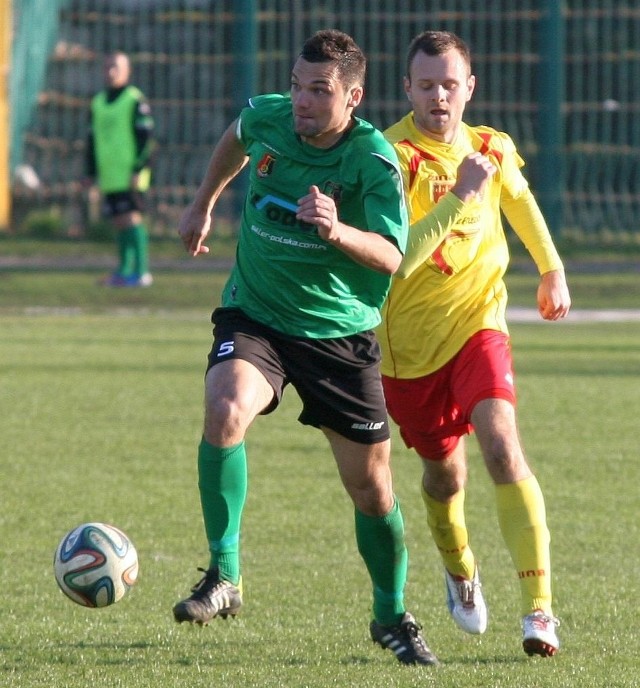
column 113, row 93
column 330, row 140
column 446, row 138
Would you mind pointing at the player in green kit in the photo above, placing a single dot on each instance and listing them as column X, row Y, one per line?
column 315, row 287
column 119, row 149
column 323, row 229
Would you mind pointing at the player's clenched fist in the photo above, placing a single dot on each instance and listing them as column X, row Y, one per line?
column 319, row 209
column 473, row 174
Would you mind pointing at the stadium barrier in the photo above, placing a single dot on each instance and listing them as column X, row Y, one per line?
column 560, row 77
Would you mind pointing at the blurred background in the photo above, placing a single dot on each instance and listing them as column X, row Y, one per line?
column 560, row 76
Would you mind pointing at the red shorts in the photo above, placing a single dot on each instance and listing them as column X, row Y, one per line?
column 434, row 411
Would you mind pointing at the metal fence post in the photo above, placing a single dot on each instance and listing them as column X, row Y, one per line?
column 5, row 128
column 550, row 132
column 245, row 45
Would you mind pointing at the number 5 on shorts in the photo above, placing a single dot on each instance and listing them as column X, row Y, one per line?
column 226, row 348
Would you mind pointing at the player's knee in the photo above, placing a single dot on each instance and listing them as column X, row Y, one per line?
column 371, row 497
column 506, row 462
column 225, row 421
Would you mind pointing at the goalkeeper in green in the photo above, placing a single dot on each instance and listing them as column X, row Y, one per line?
column 119, row 148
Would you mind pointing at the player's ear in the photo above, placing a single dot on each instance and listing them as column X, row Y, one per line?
column 355, row 97
column 407, row 86
column 471, row 84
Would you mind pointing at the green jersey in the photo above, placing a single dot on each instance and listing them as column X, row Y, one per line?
column 286, row 276
column 114, row 124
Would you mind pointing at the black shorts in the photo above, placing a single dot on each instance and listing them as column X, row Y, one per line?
column 121, row 202
column 338, row 380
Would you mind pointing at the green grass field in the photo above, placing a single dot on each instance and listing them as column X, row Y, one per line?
column 101, row 414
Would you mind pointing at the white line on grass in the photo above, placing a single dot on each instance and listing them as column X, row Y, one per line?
column 530, row 315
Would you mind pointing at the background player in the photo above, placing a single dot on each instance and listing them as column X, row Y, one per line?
column 446, row 354
column 119, row 150
column 323, row 228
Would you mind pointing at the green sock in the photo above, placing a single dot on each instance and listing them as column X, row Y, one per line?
column 223, row 488
column 126, row 251
column 141, row 250
column 381, row 544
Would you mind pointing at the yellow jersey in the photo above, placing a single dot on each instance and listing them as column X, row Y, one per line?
column 450, row 283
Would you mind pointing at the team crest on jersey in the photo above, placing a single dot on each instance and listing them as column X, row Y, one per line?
column 265, row 166
column 440, row 185
column 334, row 190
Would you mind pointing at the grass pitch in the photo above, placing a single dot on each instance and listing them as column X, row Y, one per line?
column 101, row 415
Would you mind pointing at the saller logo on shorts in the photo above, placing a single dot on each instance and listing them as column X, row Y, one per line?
column 367, row 426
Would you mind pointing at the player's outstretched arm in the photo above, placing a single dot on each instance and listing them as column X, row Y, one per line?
column 227, row 160
column 554, row 300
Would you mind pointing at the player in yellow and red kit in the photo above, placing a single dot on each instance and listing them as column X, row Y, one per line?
column 446, row 356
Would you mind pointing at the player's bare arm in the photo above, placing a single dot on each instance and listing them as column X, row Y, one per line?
column 473, row 174
column 554, row 300
column 367, row 248
column 227, row 160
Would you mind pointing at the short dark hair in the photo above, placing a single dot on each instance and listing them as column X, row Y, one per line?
column 437, row 43
column 332, row 45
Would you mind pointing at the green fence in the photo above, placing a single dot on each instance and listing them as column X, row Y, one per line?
column 561, row 77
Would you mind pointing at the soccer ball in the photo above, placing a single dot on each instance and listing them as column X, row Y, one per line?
column 95, row 564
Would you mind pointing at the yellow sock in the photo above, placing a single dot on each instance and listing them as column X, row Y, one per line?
column 449, row 530
column 523, row 522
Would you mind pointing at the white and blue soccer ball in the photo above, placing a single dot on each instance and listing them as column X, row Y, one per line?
column 95, row 564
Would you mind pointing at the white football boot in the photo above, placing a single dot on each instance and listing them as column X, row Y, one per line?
column 539, row 635
column 466, row 603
